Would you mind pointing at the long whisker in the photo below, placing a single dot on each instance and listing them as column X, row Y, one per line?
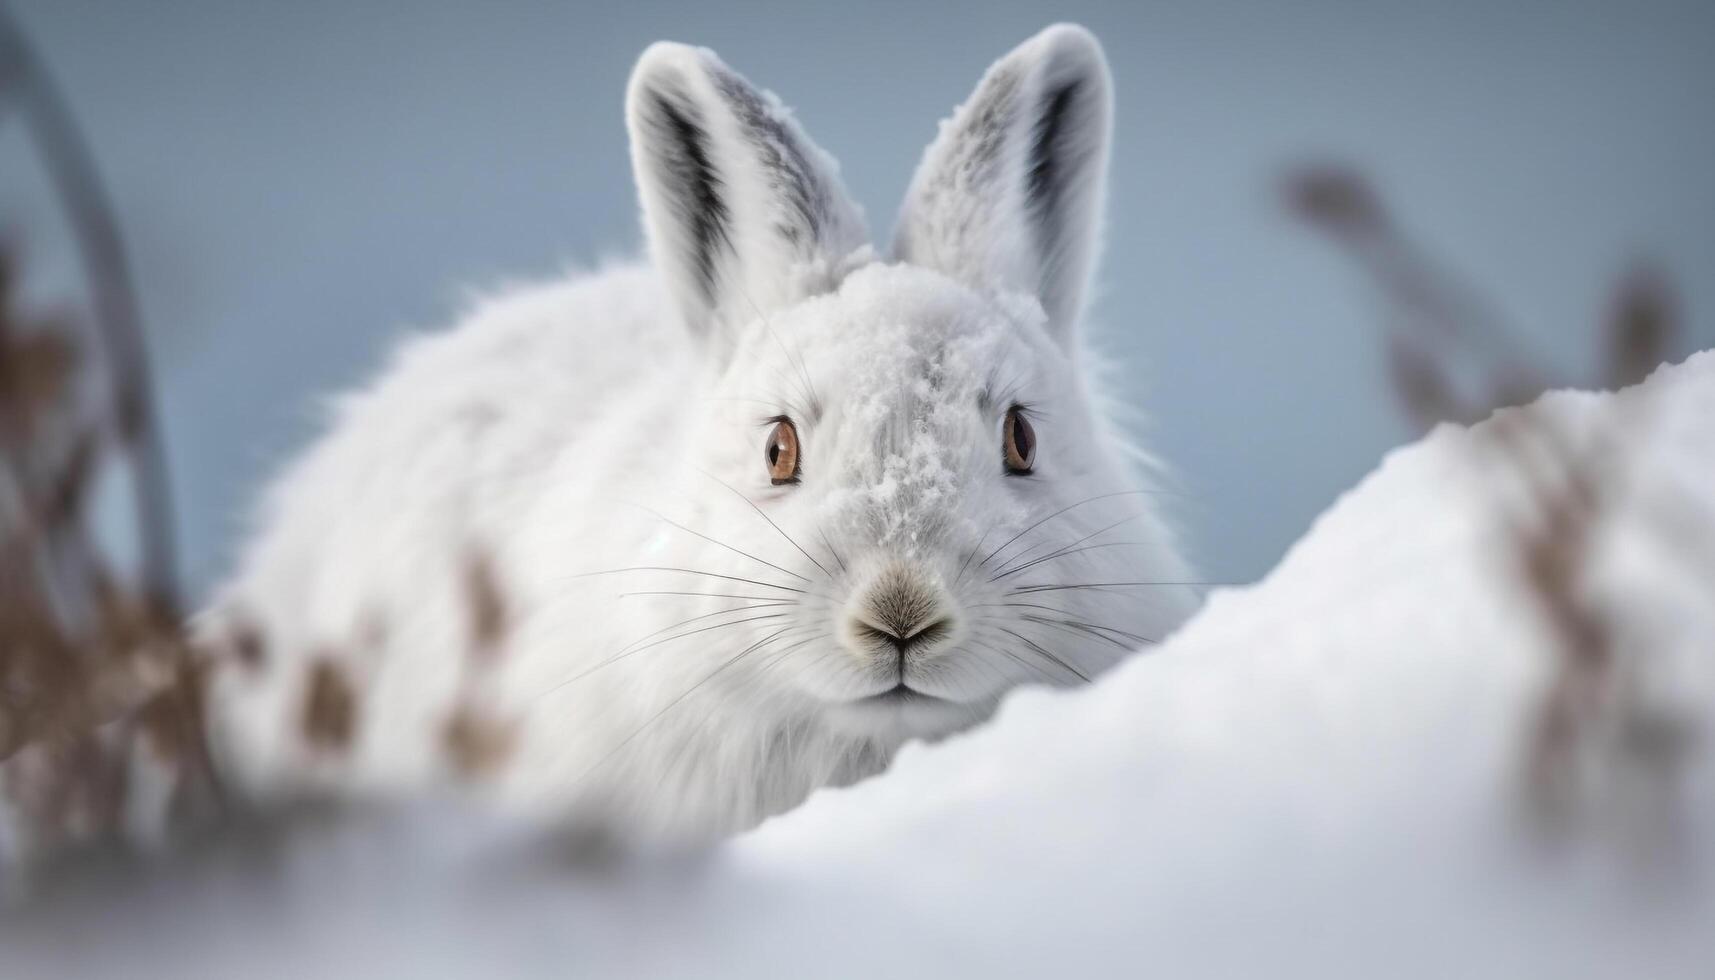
column 1065, row 552
column 714, row 595
column 764, row 515
column 766, row 604
column 1085, row 628
column 702, row 724
column 1018, row 568
column 677, row 701
column 723, row 544
column 1068, row 507
column 1044, row 653
column 1015, row 658
column 632, row 650
column 1028, row 554
column 1018, row 605
column 992, row 670
column 831, row 549
column 972, row 554
column 691, row 571
column 1062, row 612
column 1031, row 589
column 822, row 656
column 781, row 654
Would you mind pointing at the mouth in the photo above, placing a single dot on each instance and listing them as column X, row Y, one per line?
column 901, row 693
column 899, row 711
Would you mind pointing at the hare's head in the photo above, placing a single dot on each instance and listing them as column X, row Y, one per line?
column 949, row 516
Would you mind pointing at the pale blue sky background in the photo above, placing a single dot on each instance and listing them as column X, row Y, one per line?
column 301, row 181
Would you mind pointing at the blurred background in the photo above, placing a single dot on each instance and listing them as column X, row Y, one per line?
column 298, row 184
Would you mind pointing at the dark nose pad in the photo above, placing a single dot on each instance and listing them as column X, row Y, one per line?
column 902, row 609
column 903, row 638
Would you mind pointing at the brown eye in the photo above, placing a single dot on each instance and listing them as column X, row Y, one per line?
column 1020, row 442
column 781, row 452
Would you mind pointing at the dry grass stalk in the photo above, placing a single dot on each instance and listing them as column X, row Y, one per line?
column 1590, row 726
column 96, row 676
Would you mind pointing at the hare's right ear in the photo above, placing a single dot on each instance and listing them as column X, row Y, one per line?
column 1009, row 196
column 744, row 214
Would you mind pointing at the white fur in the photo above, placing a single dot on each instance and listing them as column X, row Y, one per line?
column 577, row 436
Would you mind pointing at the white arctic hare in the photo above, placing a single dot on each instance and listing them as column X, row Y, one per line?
column 670, row 546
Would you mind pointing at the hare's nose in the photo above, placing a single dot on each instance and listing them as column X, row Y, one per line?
column 904, row 638
column 902, row 608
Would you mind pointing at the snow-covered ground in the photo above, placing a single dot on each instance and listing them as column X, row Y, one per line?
column 1322, row 774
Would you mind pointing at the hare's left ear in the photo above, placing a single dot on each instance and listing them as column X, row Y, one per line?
column 744, row 214
column 1010, row 193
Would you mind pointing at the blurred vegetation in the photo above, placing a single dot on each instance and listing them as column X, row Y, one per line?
column 1596, row 748
column 94, row 664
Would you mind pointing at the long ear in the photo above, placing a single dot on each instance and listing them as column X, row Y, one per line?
column 1010, row 193
column 744, row 214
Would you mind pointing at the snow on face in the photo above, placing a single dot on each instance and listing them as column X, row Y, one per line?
column 898, row 383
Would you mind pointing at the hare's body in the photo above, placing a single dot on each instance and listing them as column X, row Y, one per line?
column 368, row 545
column 377, row 548
column 673, row 579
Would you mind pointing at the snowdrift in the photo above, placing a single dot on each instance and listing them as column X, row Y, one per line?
column 1439, row 739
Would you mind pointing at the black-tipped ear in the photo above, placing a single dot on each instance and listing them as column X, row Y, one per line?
column 1009, row 195
column 744, row 214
